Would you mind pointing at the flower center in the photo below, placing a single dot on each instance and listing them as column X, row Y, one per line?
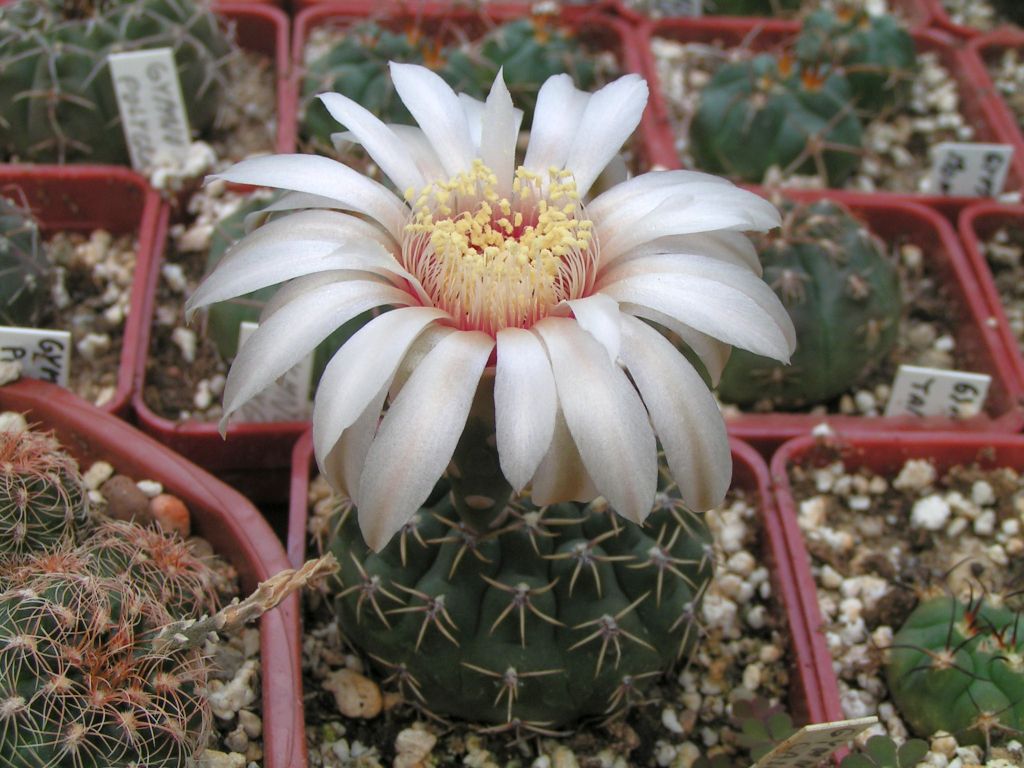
column 493, row 262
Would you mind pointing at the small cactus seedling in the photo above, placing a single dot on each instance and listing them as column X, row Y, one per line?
column 766, row 111
column 42, row 497
column 958, row 666
column 876, row 53
column 843, row 295
column 225, row 318
column 24, row 267
column 357, row 67
column 540, row 617
column 883, row 752
column 528, row 51
column 763, row 726
column 56, row 88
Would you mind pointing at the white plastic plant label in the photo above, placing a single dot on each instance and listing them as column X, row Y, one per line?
column 152, row 109
column 923, row 392
column 287, row 399
column 970, row 170
column 809, row 746
column 42, row 354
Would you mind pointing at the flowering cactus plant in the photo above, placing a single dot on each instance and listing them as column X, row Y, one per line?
column 517, row 365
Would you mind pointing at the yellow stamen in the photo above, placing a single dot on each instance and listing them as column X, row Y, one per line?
column 494, row 262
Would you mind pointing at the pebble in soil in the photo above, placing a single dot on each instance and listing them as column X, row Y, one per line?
column 1004, row 252
column 670, row 8
column 877, row 542
column 897, row 145
column 978, row 14
column 1007, row 72
column 743, row 652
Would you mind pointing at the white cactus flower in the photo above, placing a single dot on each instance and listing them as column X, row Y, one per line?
column 491, row 266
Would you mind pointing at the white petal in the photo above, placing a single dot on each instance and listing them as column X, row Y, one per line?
column 556, row 120
column 733, row 247
column 436, row 109
column 379, row 141
column 714, row 354
column 685, row 415
column 321, row 176
column 606, row 417
column 611, row 115
column 358, row 370
column 525, row 403
column 474, row 111
column 561, row 475
column 498, row 136
column 725, row 310
column 599, row 316
column 422, row 151
column 343, row 463
column 291, row 333
column 611, row 200
column 418, row 435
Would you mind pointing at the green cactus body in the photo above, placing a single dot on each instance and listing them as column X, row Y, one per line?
column 42, row 497
column 759, row 113
column 750, row 7
column 876, row 53
column 225, row 318
column 82, row 684
column 959, row 668
column 357, row 67
column 56, row 85
column 24, row 267
column 843, row 295
column 528, row 51
column 539, row 616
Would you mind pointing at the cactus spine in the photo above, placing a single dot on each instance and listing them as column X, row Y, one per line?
column 765, row 112
column 56, row 86
column 24, row 267
column 843, row 295
column 959, row 667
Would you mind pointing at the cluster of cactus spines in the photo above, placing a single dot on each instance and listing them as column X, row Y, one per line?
column 24, row 266
column 958, row 666
column 528, row 51
column 357, row 67
column 43, row 501
column 875, row 53
column 769, row 112
column 843, row 294
column 536, row 615
column 56, row 85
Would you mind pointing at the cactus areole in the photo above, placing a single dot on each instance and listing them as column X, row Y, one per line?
column 496, row 558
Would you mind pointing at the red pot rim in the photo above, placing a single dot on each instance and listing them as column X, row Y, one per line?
column 816, row 691
column 972, row 100
column 771, row 429
column 71, row 197
column 221, row 514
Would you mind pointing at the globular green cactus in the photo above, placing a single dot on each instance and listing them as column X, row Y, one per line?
column 83, row 680
column 958, row 667
column 225, row 318
column 843, row 294
column 357, row 67
column 535, row 616
column 876, row 53
column 24, row 266
column 43, row 500
column 766, row 111
column 750, row 7
column 56, row 87
column 528, row 51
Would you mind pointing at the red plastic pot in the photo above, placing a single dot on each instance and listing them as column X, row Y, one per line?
column 83, row 198
column 219, row 514
column 810, row 698
column 982, row 50
column 588, row 22
column 976, row 337
column 942, row 20
column 252, row 451
column 918, row 13
column 759, row 35
column 977, row 224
